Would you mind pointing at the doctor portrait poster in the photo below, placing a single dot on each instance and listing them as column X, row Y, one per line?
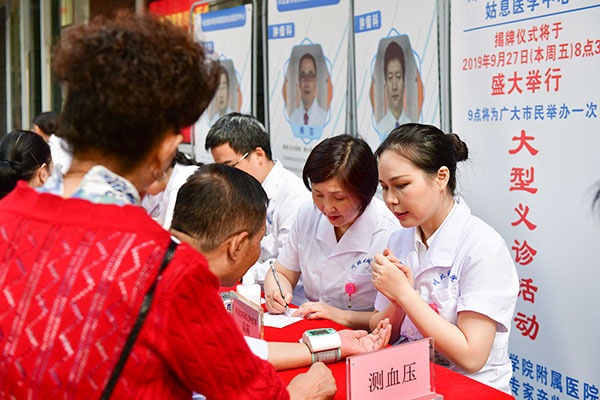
column 227, row 35
column 308, row 60
column 396, row 62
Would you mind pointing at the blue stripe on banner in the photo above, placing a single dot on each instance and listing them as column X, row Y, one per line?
column 223, row 19
column 291, row 5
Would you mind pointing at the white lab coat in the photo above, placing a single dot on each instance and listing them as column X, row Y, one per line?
column 467, row 267
column 61, row 153
column 161, row 206
column 286, row 193
column 327, row 265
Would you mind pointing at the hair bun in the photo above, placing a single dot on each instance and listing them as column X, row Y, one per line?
column 461, row 152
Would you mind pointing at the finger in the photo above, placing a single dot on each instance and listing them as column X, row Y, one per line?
column 288, row 298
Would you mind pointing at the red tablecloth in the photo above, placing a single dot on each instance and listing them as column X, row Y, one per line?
column 452, row 385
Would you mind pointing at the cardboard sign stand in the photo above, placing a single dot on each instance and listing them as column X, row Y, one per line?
column 247, row 315
column 404, row 371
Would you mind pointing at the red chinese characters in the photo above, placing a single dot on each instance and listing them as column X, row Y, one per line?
column 522, row 179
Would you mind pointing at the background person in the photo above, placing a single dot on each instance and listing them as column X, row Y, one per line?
column 160, row 197
column 23, row 156
column 309, row 112
column 46, row 125
column 449, row 275
column 394, row 71
column 242, row 141
column 333, row 239
column 89, row 254
column 222, row 95
column 215, row 211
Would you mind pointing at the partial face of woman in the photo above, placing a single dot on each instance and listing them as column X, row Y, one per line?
column 340, row 208
column 411, row 194
column 222, row 95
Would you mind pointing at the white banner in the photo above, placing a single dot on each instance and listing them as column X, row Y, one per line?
column 397, row 78
column 227, row 35
column 308, row 63
column 525, row 95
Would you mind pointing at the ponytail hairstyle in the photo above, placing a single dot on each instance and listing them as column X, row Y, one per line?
column 428, row 148
column 22, row 153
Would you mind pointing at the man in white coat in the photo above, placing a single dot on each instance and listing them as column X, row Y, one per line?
column 241, row 141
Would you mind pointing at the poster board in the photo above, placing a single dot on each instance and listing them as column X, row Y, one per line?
column 308, row 68
column 227, row 36
column 524, row 99
column 396, row 66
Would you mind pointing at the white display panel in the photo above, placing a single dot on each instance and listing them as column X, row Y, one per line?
column 308, row 64
column 227, row 36
column 387, row 31
column 525, row 94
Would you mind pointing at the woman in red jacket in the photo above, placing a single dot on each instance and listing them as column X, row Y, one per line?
column 78, row 256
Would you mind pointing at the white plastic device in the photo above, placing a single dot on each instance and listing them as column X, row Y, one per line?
column 322, row 339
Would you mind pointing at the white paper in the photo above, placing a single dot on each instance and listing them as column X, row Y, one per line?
column 280, row 320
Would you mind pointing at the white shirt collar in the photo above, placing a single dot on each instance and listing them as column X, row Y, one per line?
column 272, row 178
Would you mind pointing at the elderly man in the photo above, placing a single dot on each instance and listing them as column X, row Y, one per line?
column 220, row 211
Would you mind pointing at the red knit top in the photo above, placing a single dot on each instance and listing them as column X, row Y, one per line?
column 72, row 278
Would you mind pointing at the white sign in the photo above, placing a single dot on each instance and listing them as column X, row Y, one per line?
column 226, row 35
column 525, row 95
column 308, row 60
column 397, row 78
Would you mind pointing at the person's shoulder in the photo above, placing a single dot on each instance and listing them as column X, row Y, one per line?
column 476, row 233
column 189, row 266
column 291, row 181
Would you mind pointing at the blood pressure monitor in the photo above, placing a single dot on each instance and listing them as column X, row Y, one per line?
column 322, row 339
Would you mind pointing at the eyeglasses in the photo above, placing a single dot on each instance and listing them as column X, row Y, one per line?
column 307, row 77
column 238, row 161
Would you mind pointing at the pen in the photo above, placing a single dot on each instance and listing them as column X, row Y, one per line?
column 287, row 307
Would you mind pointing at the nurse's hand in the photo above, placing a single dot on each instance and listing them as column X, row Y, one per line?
column 317, row 310
column 360, row 342
column 275, row 303
column 391, row 278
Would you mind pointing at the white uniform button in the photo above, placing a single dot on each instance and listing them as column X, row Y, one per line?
column 325, row 299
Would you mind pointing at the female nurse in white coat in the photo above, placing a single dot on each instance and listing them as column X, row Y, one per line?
column 449, row 276
column 334, row 237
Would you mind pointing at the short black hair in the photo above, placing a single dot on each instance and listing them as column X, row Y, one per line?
column 219, row 201
column 307, row 56
column 393, row 52
column 428, row 148
column 242, row 132
column 47, row 122
column 347, row 159
column 21, row 154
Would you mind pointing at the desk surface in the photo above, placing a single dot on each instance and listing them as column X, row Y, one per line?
column 452, row 385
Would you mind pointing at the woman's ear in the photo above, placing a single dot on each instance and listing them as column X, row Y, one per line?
column 442, row 177
column 40, row 176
